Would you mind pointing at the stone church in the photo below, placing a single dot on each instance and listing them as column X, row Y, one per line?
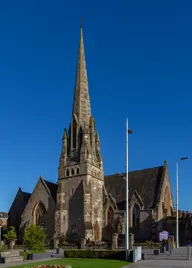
column 84, row 203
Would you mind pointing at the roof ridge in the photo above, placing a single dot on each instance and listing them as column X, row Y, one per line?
column 123, row 173
column 50, row 182
column 25, row 192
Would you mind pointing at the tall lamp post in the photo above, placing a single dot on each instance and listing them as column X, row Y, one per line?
column 128, row 131
column 177, row 200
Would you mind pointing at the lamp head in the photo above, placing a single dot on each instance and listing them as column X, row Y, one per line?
column 184, row 158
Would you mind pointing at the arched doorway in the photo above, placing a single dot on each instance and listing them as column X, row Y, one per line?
column 38, row 214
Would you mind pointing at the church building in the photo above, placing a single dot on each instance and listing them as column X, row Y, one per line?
column 84, row 203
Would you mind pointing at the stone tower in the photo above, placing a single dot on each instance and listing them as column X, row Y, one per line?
column 79, row 210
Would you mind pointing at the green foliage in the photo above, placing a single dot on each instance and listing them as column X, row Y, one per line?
column 98, row 254
column 148, row 244
column 11, row 234
column 62, row 240
column 24, row 254
column 3, row 247
column 34, row 238
column 77, row 263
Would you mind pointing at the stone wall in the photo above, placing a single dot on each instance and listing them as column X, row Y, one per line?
column 40, row 194
column 165, row 206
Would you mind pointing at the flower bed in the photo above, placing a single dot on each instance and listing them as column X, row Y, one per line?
column 52, row 266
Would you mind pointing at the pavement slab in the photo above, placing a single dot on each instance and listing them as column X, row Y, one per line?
column 161, row 263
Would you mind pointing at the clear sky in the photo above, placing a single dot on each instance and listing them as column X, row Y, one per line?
column 139, row 61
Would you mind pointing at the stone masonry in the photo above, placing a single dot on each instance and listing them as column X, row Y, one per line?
column 80, row 174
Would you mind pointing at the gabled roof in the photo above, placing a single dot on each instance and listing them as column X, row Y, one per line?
column 52, row 188
column 146, row 182
column 26, row 196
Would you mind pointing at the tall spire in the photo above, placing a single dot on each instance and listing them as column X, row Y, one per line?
column 81, row 103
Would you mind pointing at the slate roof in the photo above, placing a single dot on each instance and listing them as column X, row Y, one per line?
column 147, row 183
column 26, row 196
column 53, row 188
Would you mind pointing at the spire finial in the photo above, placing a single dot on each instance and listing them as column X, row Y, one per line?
column 81, row 101
column 81, row 21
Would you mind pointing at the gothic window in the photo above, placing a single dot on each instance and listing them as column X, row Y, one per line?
column 136, row 215
column 110, row 215
column 72, row 171
column 39, row 212
column 67, row 172
column 119, row 228
column 77, row 170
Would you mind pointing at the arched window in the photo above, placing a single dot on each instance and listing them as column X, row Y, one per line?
column 72, row 171
column 136, row 215
column 67, row 172
column 38, row 213
column 110, row 215
column 77, row 170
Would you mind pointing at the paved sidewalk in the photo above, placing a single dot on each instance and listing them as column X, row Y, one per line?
column 141, row 264
column 161, row 263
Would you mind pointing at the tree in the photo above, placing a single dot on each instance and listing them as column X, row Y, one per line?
column 11, row 234
column 34, row 237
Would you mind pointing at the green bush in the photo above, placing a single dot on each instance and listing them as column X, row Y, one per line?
column 98, row 254
column 3, row 248
column 24, row 254
column 34, row 237
column 11, row 234
column 148, row 245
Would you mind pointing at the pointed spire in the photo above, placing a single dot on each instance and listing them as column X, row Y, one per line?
column 97, row 136
column 65, row 134
column 81, row 102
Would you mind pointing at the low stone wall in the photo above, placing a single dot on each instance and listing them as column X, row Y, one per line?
column 39, row 256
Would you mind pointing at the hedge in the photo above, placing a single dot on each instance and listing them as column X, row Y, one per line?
column 98, row 254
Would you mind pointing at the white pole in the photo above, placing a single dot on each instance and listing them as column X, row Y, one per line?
column 177, row 204
column 127, row 195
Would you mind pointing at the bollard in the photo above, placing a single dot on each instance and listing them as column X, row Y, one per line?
column 188, row 253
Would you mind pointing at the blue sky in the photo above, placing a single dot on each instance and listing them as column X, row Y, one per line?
column 139, row 61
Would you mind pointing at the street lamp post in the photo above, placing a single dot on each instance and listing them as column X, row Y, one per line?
column 128, row 131
column 177, row 200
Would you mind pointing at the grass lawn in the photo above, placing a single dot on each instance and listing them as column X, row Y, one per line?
column 80, row 263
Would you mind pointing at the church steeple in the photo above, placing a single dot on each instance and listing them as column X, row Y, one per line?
column 81, row 143
column 80, row 172
column 81, row 102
